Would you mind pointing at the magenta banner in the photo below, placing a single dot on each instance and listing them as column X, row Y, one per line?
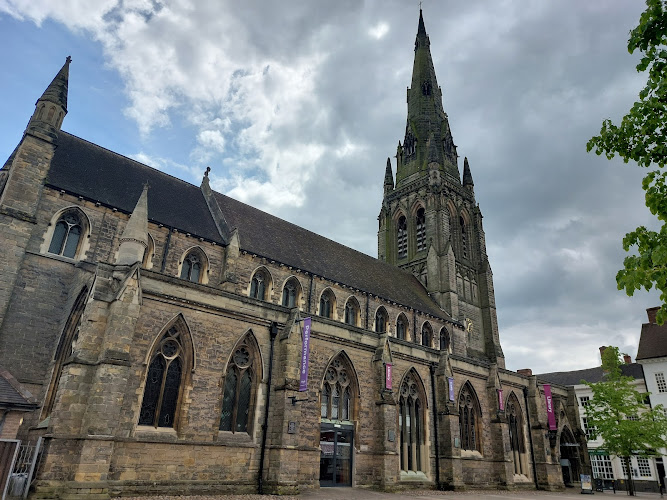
column 551, row 416
column 501, row 401
column 305, row 356
column 387, row 375
column 450, row 382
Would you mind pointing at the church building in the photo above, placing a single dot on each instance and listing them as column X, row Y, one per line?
column 174, row 340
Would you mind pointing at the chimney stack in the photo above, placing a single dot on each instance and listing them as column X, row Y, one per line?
column 651, row 312
column 526, row 372
column 627, row 359
column 602, row 349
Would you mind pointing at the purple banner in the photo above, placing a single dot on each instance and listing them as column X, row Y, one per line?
column 387, row 375
column 551, row 416
column 450, row 381
column 305, row 356
column 501, row 401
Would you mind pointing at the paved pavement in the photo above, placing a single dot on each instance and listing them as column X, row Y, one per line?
column 363, row 494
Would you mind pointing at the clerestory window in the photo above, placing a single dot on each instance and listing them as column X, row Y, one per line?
column 290, row 292
column 258, row 285
column 381, row 320
column 66, row 235
column 192, row 267
column 401, row 327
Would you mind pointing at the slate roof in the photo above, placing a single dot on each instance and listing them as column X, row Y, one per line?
column 85, row 169
column 12, row 395
column 653, row 341
column 593, row 375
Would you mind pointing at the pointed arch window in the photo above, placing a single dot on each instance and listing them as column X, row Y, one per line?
column 411, row 424
column 258, row 285
column 239, row 389
column 192, row 267
column 381, row 320
column 516, row 435
column 444, row 339
column 291, row 292
column 66, row 346
column 402, row 237
column 421, row 229
column 401, row 327
column 469, row 419
column 165, row 379
column 337, row 400
column 352, row 312
column 66, row 235
column 327, row 304
column 427, row 335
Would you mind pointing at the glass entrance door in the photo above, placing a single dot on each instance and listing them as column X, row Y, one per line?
column 336, row 456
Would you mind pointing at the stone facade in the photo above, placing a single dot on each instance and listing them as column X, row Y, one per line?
column 167, row 359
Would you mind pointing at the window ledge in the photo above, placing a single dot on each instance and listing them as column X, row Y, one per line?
column 413, row 476
column 471, row 454
column 235, row 439
column 61, row 258
column 148, row 431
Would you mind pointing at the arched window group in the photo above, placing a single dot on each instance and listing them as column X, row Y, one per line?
column 192, row 267
column 164, row 380
column 67, row 235
column 239, row 386
column 411, row 422
column 352, row 312
column 327, row 304
column 337, row 397
column 469, row 419
column 418, row 230
column 381, row 319
column 402, row 327
column 259, row 284
column 291, row 292
column 427, row 335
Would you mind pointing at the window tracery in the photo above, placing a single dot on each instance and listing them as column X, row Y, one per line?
column 290, row 293
column 411, row 423
column 401, row 327
column 258, row 285
column 192, row 267
column 238, row 392
column 164, row 379
column 337, row 400
column 381, row 320
column 327, row 304
column 469, row 419
column 352, row 312
column 66, row 235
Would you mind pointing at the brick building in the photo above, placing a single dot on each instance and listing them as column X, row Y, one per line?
column 159, row 325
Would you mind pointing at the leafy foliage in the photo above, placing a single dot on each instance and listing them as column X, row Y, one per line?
column 642, row 137
column 617, row 413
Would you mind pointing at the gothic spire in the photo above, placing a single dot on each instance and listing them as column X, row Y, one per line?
column 134, row 240
column 51, row 107
column 467, row 175
column 427, row 120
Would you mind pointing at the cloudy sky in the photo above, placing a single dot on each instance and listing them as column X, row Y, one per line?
column 296, row 106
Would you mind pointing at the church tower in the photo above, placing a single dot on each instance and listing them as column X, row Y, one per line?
column 430, row 223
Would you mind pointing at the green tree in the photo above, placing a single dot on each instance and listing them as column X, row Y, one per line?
column 642, row 137
column 618, row 415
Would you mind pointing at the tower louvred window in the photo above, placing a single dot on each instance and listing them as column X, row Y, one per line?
column 421, row 230
column 464, row 237
column 402, row 237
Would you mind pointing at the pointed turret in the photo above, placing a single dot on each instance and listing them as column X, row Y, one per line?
column 467, row 176
column 134, row 241
column 426, row 119
column 51, row 107
column 388, row 177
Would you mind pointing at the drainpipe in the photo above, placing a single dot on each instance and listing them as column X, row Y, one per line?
column 265, row 427
column 530, row 438
column 435, row 429
column 310, row 293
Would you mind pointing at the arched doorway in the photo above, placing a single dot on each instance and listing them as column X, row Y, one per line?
column 569, row 457
column 338, row 406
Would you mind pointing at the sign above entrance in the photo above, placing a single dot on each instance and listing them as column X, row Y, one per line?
column 305, row 356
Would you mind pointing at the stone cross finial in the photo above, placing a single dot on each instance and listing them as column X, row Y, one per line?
column 68, row 59
column 208, row 169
